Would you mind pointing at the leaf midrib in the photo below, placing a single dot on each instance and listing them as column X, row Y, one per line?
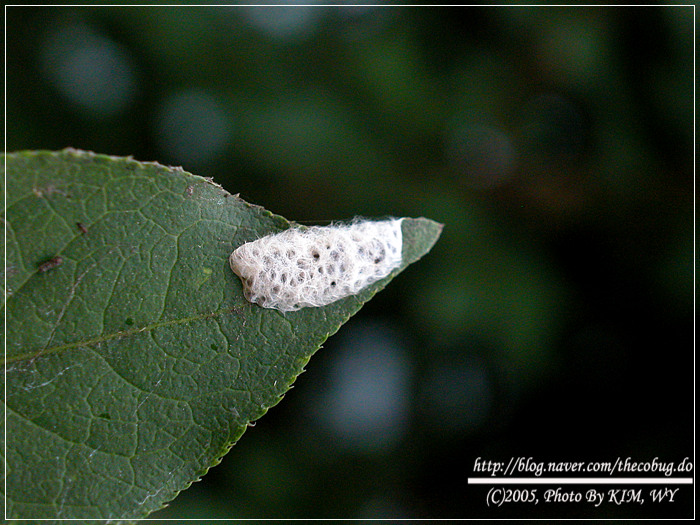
column 115, row 335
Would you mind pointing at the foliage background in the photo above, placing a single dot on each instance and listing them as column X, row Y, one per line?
column 553, row 319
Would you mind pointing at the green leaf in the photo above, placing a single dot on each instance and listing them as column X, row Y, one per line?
column 133, row 361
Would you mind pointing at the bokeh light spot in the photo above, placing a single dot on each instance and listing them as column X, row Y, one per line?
column 89, row 69
column 367, row 403
column 287, row 22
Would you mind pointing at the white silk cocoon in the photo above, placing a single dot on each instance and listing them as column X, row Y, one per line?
column 317, row 266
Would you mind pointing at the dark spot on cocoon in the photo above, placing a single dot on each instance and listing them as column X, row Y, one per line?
column 380, row 257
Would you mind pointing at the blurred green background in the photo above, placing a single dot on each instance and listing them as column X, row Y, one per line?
column 553, row 319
